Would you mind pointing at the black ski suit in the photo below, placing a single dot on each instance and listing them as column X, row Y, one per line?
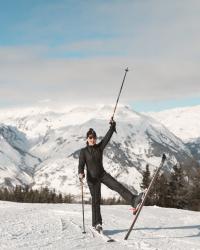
column 92, row 156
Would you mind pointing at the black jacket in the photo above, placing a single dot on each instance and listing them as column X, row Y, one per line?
column 92, row 156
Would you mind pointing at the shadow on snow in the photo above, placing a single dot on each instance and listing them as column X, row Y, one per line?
column 117, row 231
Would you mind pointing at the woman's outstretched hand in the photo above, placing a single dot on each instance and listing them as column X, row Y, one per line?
column 81, row 176
column 112, row 121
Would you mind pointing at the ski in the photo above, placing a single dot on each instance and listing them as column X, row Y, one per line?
column 101, row 234
column 139, row 208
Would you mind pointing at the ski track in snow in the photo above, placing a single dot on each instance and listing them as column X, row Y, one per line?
column 59, row 226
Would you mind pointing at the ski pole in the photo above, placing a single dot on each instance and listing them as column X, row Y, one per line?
column 82, row 207
column 146, row 194
column 112, row 117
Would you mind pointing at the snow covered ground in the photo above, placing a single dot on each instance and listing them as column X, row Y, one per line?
column 59, row 226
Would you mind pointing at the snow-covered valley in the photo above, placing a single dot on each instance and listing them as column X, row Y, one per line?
column 59, row 227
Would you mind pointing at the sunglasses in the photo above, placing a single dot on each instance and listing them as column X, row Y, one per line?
column 92, row 137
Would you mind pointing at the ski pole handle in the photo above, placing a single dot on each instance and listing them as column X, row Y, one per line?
column 111, row 120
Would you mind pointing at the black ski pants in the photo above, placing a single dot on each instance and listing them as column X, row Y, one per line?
column 95, row 190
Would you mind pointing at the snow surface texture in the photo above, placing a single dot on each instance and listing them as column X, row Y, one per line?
column 40, row 147
column 58, row 227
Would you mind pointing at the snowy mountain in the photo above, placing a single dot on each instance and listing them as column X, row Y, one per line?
column 16, row 163
column 194, row 146
column 184, row 123
column 44, row 146
column 59, row 226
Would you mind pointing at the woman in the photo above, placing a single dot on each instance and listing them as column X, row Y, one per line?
column 92, row 156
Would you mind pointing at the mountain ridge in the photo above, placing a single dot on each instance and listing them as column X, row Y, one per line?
column 54, row 139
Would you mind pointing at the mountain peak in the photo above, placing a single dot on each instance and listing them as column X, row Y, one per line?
column 55, row 138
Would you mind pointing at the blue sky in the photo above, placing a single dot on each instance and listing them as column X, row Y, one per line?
column 75, row 52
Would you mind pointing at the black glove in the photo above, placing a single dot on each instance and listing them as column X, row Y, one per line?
column 113, row 124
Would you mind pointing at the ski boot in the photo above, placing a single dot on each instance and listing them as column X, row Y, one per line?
column 136, row 202
column 98, row 228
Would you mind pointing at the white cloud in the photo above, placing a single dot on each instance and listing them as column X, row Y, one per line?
column 95, row 79
column 44, row 101
column 158, row 40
